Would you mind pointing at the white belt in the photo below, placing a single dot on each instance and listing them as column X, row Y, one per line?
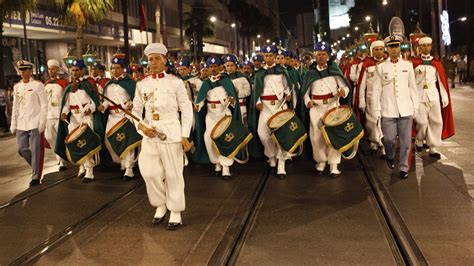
column 164, row 116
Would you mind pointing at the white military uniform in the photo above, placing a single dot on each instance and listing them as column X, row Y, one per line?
column 274, row 86
column 161, row 161
column 242, row 86
column 196, row 82
column 396, row 101
column 120, row 96
column 217, row 103
column 323, row 88
column 29, row 111
column 366, row 95
column 77, row 103
column 54, row 93
column 429, row 121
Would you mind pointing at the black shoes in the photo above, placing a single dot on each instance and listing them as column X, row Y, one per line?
column 34, row 182
column 157, row 221
column 86, row 180
column 226, row 177
column 174, row 226
column 62, row 168
column 435, row 155
column 419, row 148
column 335, row 175
column 282, row 176
column 390, row 163
column 126, row 178
column 403, row 175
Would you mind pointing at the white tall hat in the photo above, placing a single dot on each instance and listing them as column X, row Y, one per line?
column 376, row 44
column 425, row 40
column 155, row 48
column 53, row 63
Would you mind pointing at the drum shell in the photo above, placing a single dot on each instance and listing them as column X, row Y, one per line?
column 235, row 137
column 123, row 137
column 344, row 135
column 290, row 135
column 80, row 146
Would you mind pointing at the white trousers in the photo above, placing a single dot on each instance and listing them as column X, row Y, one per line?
column 51, row 134
column 213, row 116
column 373, row 126
column 161, row 166
column 321, row 151
column 429, row 123
column 128, row 160
column 271, row 149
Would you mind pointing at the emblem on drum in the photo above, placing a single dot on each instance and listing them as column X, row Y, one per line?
column 349, row 127
column 293, row 126
column 81, row 143
column 120, row 137
column 229, row 137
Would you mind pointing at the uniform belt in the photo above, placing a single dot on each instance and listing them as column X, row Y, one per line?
column 269, row 98
column 54, row 104
column 213, row 102
column 74, row 107
column 322, row 97
column 164, row 116
column 242, row 102
column 113, row 107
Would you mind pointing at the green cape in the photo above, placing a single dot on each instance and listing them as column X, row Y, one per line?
column 200, row 155
column 98, row 125
column 311, row 75
column 255, row 146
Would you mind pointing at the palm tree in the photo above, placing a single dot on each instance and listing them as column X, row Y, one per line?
column 9, row 8
column 198, row 26
column 79, row 12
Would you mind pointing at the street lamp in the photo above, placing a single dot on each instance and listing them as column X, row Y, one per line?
column 385, row 2
column 356, row 28
column 213, row 19
column 348, row 35
column 232, row 25
column 268, row 40
column 367, row 18
column 258, row 36
column 343, row 38
column 459, row 19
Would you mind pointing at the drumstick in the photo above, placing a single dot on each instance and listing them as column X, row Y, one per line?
column 161, row 135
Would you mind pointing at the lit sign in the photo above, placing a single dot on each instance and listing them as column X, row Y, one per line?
column 338, row 13
column 445, row 35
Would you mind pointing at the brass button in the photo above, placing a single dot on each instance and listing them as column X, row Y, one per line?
column 156, row 116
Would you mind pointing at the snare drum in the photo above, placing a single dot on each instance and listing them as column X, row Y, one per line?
column 288, row 131
column 229, row 136
column 81, row 144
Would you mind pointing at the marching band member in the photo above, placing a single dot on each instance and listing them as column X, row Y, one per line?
column 121, row 90
column 54, row 91
column 257, row 62
column 270, row 94
column 434, row 121
column 396, row 102
column 366, row 93
column 29, row 112
column 160, row 161
column 78, row 107
column 217, row 93
column 192, row 83
column 204, row 72
column 241, row 84
column 98, row 76
column 323, row 85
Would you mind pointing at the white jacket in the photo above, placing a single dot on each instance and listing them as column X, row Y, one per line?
column 395, row 91
column 30, row 106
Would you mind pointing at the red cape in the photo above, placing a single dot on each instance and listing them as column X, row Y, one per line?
column 447, row 112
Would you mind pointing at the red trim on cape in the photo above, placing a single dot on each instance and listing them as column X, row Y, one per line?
column 447, row 112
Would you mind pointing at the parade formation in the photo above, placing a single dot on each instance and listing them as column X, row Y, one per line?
column 276, row 107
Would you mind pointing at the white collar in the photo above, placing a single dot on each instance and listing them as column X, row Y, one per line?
column 321, row 68
column 268, row 67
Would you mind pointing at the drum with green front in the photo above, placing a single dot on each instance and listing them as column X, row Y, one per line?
column 82, row 143
column 342, row 130
column 123, row 137
column 229, row 136
column 288, row 131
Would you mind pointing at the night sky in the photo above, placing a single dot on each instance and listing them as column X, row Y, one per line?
column 289, row 9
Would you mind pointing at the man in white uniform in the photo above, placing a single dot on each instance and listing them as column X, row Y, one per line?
column 270, row 99
column 396, row 102
column 121, row 90
column 241, row 83
column 323, row 94
column 429, row 120
column 366, row 94
column 30, row 107
column 218, row 93
column 54, row 91
column 161, row 160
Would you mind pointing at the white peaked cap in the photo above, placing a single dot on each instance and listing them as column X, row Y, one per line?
column 155, row 48
column 376, row 44
column 53, row 63
column 425, row 40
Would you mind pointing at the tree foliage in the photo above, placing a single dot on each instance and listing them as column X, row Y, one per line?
column 198, row 26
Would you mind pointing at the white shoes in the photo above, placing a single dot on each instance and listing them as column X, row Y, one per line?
column 82, row 170
column 333, row 171
column 273, row 162
column 281, row 167
column 129, row 172
column 320, row 167
column 218, row 167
